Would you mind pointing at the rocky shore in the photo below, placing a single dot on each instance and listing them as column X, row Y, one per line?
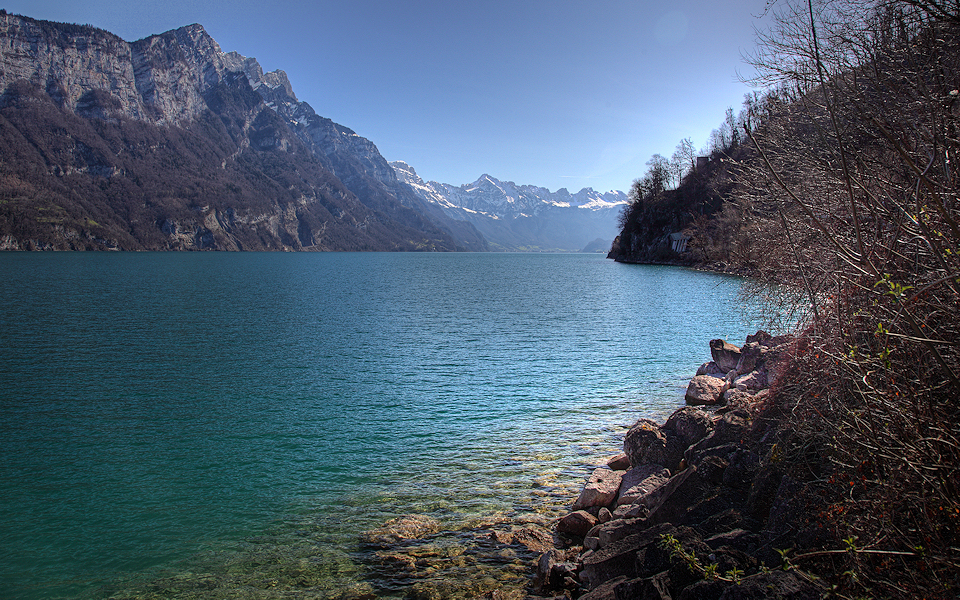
column 700, row 507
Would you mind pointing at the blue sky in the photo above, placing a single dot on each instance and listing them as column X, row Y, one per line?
column 550, row 93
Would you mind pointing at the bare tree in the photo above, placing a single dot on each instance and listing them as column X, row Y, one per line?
column 684, row 159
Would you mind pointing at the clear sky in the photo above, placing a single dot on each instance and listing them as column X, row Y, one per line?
column 554, row 93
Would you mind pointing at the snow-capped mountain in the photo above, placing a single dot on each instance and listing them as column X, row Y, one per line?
column 524, row 217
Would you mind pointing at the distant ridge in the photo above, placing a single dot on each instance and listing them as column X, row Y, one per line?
column 525, row 217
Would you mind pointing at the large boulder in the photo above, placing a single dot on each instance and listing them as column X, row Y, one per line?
column 710, row 368
column 689, row 424
column 752, row 381
column 728, row 433
column 619, row 558
column 705, row 390
column 751, row 356
column 759, row 337
column 641, row 481
column 553, row 566
column 773, row 585
column 645, row 443
column 725, row 355
column 577, row 523
column 601, row 488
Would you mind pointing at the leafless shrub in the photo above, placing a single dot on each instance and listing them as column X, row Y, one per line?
column 855, row 197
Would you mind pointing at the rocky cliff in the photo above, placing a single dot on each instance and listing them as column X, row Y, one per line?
column 170, row 143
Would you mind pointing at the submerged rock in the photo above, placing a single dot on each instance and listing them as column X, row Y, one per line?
column 408, row 527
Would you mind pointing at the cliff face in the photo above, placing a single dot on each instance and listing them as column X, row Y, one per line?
column 170, row 143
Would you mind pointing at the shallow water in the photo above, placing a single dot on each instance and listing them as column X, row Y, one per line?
column 202, row 418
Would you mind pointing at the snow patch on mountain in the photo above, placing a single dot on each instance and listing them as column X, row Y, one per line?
column 504, row 198
column 535, row 216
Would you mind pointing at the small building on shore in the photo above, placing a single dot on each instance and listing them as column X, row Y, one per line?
column 679, row 241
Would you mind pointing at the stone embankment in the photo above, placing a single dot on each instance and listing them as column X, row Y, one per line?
column 700, row 507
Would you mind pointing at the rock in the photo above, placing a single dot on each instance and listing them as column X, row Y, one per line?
column 763, row 490
column 600, row 489
column 752, row 381
column 656, row 499
column 577, row 523
column 402, row 528
column 704, row 390
column 533, row 539
column 759, row 337
column 502, row 537
column 711, row 368
column 656, row 558
column 619, row 462
column 792, row 517
column 777, row 362
column 775, row 585
column 739, row 539
column 731, row 428
column 684, row 490
column 725, row 355
column 743, row 464
column 619, row 558
column 620, row 588
column 630, row 511
column 712, row 469
column 645, row 443
column 641, row 481
column 704, row 590
column 606, row 591
column 723, row 521
column 750, row 357
column 768, row 341
column 551, row 568
column 689, row 424
column 698, row 453
column 619, row 529
column 737, row 398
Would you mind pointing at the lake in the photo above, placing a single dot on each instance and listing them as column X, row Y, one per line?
column 179, row 424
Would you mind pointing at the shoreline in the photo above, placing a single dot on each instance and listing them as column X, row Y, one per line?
column 700, row 506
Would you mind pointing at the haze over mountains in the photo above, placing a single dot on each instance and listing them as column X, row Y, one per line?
column 527, row 217
column 170, row 143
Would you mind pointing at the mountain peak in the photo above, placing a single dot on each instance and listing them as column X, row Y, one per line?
column 274, row 80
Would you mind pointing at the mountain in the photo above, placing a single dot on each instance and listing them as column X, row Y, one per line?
column 170, row 143
column 525, row 217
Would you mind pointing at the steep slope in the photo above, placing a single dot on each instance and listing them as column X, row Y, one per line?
column 355, row 160
column 524, row 217
column 165, row 143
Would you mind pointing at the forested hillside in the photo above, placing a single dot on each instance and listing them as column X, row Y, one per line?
column 838, row 190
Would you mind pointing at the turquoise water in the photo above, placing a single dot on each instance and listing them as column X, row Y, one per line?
column 157, row 410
